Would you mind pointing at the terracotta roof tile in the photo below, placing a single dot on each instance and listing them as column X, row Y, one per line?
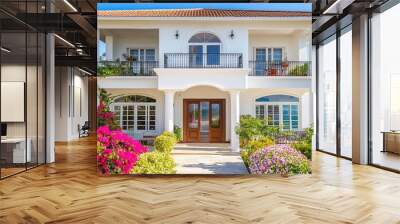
column 199, row 13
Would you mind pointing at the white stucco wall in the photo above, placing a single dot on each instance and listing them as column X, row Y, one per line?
column 248, row 34
column 169, row 43
column 141, row 39
column 289, row 42
column 248, row 98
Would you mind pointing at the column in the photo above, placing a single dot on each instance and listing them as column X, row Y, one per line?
column 235, row 118
column 169, row 110
column 50, row 98
column 360, row 90
column 109, row 48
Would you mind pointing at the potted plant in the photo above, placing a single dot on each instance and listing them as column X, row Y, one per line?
column 285, row 63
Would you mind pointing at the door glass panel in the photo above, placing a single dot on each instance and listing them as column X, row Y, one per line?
column 134, row 53
column 213, row 54
column 141, row 117
column 286, row 117
column 261, row 59
column 150, row 55
column 295, row 116
column 277, row 54
column 215, row 115
column 152, row 117
column 270, row 115
column 204, row 116
column 141, row 55
column 260, row 113
column 195, row 55
column 276, row 115
column 193, row 115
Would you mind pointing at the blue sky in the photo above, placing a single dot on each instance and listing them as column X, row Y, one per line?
column 243, row 6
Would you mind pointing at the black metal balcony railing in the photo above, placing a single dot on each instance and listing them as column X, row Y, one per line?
column 280, row 68
column 126, row 68
column 198, row 60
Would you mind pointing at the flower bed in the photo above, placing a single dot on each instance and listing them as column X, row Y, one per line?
column 117, row 152
column 278, row 159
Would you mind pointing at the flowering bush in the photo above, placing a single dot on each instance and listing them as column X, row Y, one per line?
column 117, row 152
column 104, row 115
column 254, row 145
column 279, row 159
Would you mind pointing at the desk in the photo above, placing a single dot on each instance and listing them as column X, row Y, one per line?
column 391, row 142
column 13, row 150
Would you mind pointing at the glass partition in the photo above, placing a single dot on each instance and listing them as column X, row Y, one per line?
column 22, row 77
column 385, row 90
column 327, row 96
column 346, row 92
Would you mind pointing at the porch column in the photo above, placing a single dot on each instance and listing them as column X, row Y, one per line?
column 235, row 118
column 109, row 48
column 169, row 110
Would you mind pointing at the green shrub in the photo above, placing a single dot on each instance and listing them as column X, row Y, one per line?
column 308, row 136
column 165, row 142
column 155, row 163
column 270, row 131
column 254, row 145
column 109, row 69
column 249, row 128
column 299, row 70
column 178, row 133
column 304, row 148
column 169, row 134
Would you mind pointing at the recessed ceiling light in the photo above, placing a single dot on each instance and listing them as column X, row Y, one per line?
column 64, row 40
column 70, row 5
column 86, row 72
column 5, row 50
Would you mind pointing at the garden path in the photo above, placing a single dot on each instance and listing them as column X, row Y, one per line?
column 207, row 158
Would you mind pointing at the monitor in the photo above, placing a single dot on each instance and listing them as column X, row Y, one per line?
column 3, row 129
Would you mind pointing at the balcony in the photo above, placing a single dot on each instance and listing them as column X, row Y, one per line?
column 200, row 60
column 126, row 68
column 280, row 68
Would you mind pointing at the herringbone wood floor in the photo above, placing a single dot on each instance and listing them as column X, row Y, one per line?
column 70, row 191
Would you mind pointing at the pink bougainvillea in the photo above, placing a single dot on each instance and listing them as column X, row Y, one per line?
column 117, row 152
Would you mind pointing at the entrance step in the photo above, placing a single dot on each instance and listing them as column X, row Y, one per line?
column 203, row 148
column 207, row 158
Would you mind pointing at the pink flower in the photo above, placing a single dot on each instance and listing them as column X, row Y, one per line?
column 118, row 152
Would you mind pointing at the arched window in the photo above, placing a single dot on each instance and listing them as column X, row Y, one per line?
column 134, row 99
column 279, row 110
column 278, row 98
column 204, row 38
column 136, row 114
column 204, row 50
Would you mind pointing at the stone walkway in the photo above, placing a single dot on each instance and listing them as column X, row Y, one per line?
column 207, row 158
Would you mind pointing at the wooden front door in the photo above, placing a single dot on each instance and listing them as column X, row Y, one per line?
column 204, row 120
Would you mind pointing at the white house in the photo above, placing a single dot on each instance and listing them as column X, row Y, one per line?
column 200, row 69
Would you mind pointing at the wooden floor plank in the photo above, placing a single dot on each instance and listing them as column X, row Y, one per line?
column 70, row 191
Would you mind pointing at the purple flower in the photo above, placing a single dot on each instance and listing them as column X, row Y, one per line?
column 280, row 159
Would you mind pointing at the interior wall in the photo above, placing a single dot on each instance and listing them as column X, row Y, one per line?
column 71, row 102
